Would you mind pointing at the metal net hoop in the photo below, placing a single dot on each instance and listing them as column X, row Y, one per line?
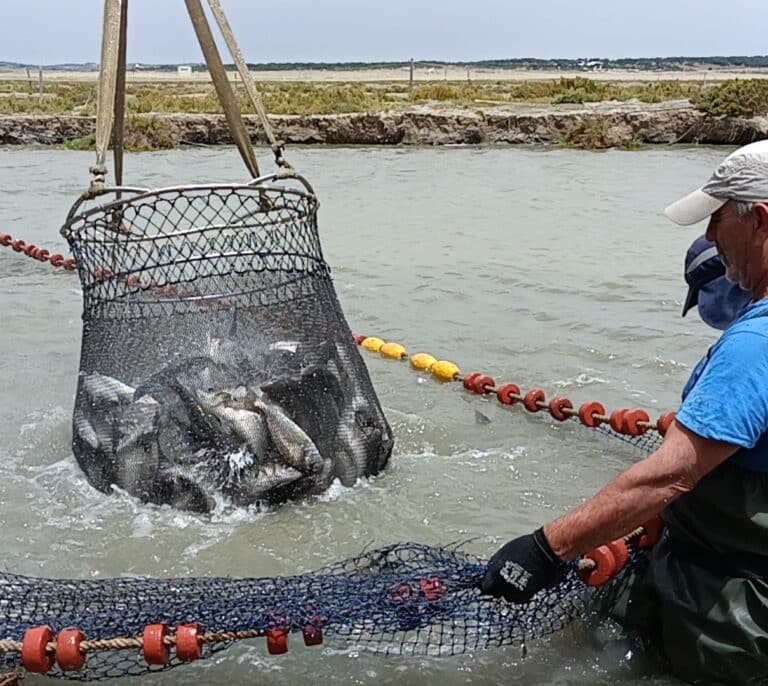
column 176, row 249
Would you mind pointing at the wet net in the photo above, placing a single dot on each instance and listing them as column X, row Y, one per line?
column 216, row 360
column 405, row 599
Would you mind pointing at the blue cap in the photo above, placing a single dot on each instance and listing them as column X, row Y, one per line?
column 720, row 302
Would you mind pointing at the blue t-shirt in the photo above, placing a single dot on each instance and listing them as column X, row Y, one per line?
column 726, row 397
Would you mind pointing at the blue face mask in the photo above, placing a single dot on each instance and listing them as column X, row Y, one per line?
column 720, row 303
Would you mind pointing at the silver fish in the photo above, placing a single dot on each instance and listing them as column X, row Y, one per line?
column 137, row 455
column 266, row 484
column 248, row 426
column 101, row 389
column 293, row 444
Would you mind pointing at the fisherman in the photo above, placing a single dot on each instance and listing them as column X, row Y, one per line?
column 704, row 594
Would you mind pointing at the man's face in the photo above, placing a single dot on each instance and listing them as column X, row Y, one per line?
column 739, row 244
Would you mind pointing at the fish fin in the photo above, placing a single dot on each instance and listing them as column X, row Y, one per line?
column 480, row 418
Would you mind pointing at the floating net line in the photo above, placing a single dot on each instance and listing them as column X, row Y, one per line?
column 405, row 599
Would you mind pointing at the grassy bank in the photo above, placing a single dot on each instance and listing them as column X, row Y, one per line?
column 733, row 98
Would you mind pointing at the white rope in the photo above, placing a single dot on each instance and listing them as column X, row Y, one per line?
column 105, row 94
column 248, row 82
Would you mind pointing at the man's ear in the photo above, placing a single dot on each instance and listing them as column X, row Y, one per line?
column 761, row 213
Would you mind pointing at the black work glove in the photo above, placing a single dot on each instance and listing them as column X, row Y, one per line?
column 521, row 568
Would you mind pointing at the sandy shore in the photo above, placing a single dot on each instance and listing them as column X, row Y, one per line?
column 421, row 74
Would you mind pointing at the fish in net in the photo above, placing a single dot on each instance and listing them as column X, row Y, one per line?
column 216, row 359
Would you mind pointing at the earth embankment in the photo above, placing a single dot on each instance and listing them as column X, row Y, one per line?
column 594, row 125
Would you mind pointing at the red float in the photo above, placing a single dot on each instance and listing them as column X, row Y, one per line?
column 532, row 398
column 481, row 383
column 155, row 650
column 189, row 645
column 618, row 421
column 664, row 422
column 632, row 419
column 469, row 379
column 432, row 588
column 604, row 569
column 620, row 552
column 588, row 414
column 508, row 394
column 34, row 654
column 556, row 407
column 313, row 635
column 277, row 641
column 69, row 656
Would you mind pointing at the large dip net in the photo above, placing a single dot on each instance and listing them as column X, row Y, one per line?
column 405, row 599
column 216, row 362
column 215, row 356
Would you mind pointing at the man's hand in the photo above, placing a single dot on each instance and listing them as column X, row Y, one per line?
column 522, row 568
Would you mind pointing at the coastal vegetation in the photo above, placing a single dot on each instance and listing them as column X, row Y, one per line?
column 731, row 98
column 594, row 133
column 734, row 103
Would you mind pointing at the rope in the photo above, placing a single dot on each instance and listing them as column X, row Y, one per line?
column 248, row 82
column 105, row 96
column 629, row 422
column 40, row 254
column 223, row 87
column 11, row 678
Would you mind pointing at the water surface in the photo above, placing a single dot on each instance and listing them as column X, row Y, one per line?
column 548, row 268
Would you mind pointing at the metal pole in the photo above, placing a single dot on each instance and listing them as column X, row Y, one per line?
column 40, row 79
column 410, row 80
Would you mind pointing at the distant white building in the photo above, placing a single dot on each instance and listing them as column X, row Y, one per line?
column 184, row 71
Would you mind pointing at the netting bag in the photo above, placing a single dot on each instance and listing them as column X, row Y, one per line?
column 215, row 356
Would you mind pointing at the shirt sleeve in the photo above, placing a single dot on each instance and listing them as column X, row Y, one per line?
column 729, row 402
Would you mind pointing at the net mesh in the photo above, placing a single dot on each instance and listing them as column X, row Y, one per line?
column 213, row 345
column 405, row 599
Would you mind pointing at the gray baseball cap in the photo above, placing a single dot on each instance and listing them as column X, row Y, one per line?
column 743, row 175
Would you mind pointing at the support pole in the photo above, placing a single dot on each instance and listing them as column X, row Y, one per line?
column 119, row 130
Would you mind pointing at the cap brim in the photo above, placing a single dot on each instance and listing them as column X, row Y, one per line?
column 693, row 208
column 691, row 300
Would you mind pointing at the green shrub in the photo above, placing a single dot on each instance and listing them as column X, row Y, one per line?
column 734, row 98
column 86, row 143
column 148, row 133
column 594, row 133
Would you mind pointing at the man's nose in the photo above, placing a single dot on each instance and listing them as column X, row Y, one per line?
column 711, row 232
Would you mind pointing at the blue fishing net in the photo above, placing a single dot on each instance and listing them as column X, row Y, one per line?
column 405, row 599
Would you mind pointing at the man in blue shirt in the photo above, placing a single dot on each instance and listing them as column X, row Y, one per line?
column 704, row 596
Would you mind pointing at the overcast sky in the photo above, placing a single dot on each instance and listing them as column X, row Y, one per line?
column 55, row 31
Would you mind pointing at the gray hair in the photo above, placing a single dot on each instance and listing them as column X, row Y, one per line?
column 743, row 208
